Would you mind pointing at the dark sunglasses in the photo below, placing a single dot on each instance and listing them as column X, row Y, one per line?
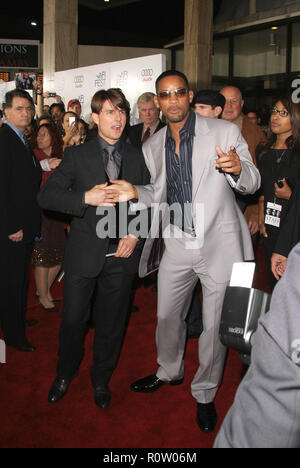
column 179, row 92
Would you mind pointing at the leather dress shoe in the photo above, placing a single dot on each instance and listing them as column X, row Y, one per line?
column 26, row 347
column 151, row 383
column 31, row 323
column 206, row 416
column 58, row 389
column 102, row 396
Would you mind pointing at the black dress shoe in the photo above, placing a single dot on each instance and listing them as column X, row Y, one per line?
column 102, row 396
column 31, row 323
column 151, row 383
column 58, row 389
column 26, row 347
column 207, row 416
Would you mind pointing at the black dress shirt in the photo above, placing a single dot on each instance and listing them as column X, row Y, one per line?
column 179, row 174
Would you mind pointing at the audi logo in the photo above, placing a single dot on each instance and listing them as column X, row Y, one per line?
column 147, row 72
column 79, row 79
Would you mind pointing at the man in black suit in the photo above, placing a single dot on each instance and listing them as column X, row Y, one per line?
column 20, row 177
column 99, row 254
column 149, row 115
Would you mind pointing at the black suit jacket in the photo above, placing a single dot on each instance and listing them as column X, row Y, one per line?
column 289, row 233
column 135, row 133
column 20, row 179
column 81, row 169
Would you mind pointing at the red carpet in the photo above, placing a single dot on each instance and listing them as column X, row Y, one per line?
column 165, row 419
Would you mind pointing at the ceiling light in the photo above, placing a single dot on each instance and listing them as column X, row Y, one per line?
column 274, row 28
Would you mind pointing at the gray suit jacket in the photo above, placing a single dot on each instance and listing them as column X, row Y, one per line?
column 266, row 410
column 217, row 217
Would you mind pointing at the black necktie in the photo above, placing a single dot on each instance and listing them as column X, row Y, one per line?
column 111, row 167
column 28, row 147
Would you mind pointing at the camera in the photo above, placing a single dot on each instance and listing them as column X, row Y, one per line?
column 280, row 182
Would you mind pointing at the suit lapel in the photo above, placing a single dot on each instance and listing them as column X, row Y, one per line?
column 93, row 152
column 201, row 151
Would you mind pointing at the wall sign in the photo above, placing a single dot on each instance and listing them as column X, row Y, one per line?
column 19, row 54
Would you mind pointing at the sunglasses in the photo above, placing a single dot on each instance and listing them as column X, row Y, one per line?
column 179, row 93
column 282, row 113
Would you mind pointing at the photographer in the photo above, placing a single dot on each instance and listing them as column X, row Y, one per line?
column 279, row 164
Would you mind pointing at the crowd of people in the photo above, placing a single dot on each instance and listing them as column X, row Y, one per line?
column 59, row 179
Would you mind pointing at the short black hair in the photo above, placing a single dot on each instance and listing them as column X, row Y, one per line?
column 16, row 93
column 172, row 73
column 58, row 104
column 209, row 97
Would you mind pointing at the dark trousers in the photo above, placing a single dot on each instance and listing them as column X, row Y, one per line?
column 113, row 287
column 269, row 250
column 14, row 273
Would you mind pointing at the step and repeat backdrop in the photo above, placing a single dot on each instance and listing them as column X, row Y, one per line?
column 134, row 77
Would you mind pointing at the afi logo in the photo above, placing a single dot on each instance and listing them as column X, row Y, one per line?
column 100, row 80
column 2, row 352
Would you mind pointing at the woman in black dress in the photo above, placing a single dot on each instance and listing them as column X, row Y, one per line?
column 48, row 252
column 279, row 165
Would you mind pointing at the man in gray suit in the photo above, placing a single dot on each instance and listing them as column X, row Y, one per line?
column 202, row 241
column 266, row 410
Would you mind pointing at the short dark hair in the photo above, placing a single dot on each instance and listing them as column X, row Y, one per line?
column 114, row 95
column 58, row 104
column 209, row 97
column 16, row 93
column 172, row 73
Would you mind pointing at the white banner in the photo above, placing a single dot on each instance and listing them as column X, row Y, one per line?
column 133, row 76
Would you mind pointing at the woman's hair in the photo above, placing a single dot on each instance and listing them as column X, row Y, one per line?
column 72, row 114
column 46, row 117
column 56, row 140
column 293, row 141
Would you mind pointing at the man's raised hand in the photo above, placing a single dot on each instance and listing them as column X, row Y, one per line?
column 229, row 162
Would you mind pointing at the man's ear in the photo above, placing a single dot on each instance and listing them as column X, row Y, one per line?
column 218, row 111
column 156, row 103
column 95, row 118
column 191, row 96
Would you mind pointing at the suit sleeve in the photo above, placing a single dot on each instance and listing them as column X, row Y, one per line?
column 249, row 180
column 12, row 217
column 146, row 192
column 58, row 194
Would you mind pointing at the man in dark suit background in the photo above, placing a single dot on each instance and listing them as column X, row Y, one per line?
column 149, row 116
column 105, row 260
column 20, row 177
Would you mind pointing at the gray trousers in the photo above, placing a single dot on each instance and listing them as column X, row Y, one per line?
column 181, row 266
